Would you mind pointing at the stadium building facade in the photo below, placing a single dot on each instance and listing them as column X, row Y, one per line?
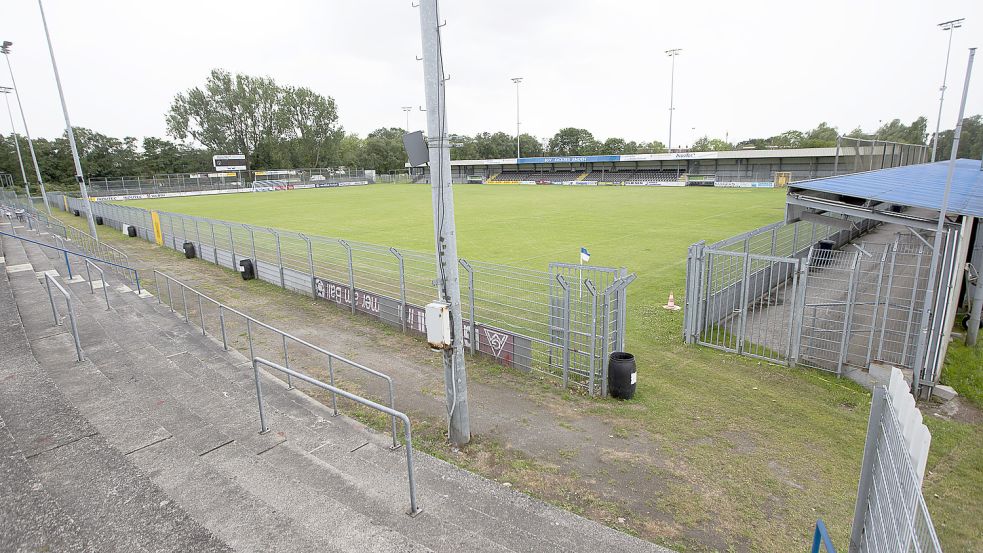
column 741, row 168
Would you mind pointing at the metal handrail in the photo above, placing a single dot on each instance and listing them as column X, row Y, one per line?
column 48, row 280
column 284, row 335
column 102, row 279
column 67, row 252
column 408, row 433
column 821, row 537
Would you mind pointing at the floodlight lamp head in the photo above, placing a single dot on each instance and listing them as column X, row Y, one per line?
column 516, row 80
column 6, row 46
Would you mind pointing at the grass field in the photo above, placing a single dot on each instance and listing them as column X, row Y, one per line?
column 754, row 453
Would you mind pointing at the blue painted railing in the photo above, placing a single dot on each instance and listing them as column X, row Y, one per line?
column 822, row 537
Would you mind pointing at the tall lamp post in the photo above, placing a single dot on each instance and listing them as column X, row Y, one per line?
column 517, row 80
column 5, row 90
column 5, row 49
column 672, row 88
column 950, row 26
column 407, row 109
column 71, row 134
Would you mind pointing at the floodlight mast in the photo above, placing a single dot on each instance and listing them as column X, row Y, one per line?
column 950, row 26
column 5, row 49
column 672, row 53
column 79, row 176
column 407, row 109
column 5, row 90
column 517, row 80
column 448, row 281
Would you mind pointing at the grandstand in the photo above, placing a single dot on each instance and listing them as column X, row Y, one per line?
column 728, row 168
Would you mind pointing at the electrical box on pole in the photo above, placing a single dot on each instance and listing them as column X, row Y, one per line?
column 445, row 235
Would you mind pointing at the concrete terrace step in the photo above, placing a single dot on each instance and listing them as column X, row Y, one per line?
column 184, row 412
column 102, row 502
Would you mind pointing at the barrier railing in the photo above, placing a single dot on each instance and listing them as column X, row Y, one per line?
column 284, row 336
column 48, row 281
column 66, row 253
column 408, row 433
column 821, row 538
column 102, row 280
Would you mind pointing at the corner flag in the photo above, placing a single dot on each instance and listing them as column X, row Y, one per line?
column 584, row 255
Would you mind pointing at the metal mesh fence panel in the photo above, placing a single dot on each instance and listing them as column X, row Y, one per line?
column 562, row 323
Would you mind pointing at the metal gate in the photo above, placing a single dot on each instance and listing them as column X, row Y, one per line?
column 747, row 304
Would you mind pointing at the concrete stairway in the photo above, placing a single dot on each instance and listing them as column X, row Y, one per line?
column 152, row 444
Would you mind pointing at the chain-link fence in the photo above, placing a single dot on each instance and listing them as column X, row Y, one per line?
column 235, row 181
column 563, row 322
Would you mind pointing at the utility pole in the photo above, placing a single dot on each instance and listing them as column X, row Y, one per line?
column 445, row 233
column 517, row 80
column 5, row 49
column 79, row 176
column 672, row 89
column 928, row 306
column 945, row 26
column 13, row 132
column 407, row 109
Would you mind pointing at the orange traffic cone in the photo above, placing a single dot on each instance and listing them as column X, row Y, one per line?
column 671, row 306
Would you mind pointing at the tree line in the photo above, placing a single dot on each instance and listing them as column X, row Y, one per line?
column 280, row 126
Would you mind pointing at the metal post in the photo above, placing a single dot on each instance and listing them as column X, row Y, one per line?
column 848, row 314
column 402, row 288
column 474, row 331
column 877, row 302
column 249, row 338
column 351, row 273
column 334, row 399
column 232, row 246
column 593, row 337
column 184, row 300
column 445, row 234
column 279, row 258
column 887, row 299
column 672, row 90
column 221, row 322
column 170, row 298
column 211, row 225
column 927, row 306
column 566, row 328
column 201, row 315
column 71, row 133
column 745, row 285
column 310, row 262
column 836, row 157
column 286, row 362
column 252, row 240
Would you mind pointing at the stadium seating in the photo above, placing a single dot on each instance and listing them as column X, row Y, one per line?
column 536, row 176
column 641, row 175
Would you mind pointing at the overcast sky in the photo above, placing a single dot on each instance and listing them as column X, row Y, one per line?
column 748, row 68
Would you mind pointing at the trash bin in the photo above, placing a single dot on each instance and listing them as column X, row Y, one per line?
column 75, row 212
column 622, row 375
column 98, row 220
column 131, row 231
column 246, row 269
column 189, row 250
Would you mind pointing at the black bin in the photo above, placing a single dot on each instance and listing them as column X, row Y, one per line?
column 189, row 250
column 98, row 220
column 622, row 375
column 75, row 212
column 131, row 231
column 246, row 269
column 822, row 255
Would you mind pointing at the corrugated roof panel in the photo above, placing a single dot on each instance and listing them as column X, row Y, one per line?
column 914, row 186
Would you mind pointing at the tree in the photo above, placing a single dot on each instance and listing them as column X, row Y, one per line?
column 823, row 136
column 256, row 117
column 970, row 141
column 383, row 151
column 614, row 146
column 706, row 144
column 572, row 141
column 530, row 146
